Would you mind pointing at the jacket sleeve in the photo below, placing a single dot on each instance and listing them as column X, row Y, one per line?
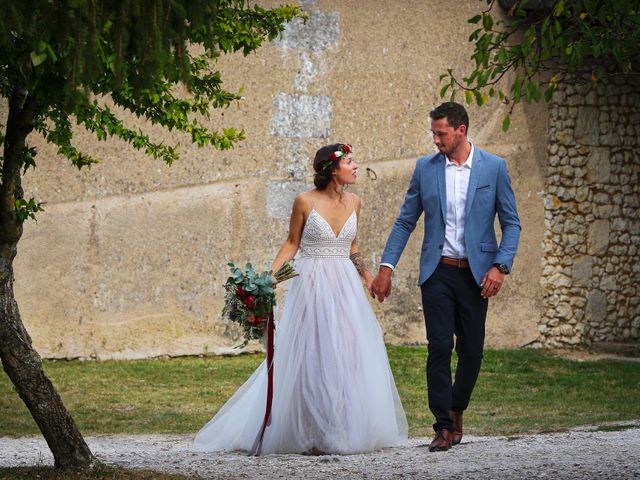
column 406, row 222
column 508, row 217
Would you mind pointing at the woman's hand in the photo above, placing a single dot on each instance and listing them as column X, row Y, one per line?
column 368, row 279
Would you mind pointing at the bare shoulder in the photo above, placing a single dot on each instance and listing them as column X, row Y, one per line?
column 303, row 202
column 355, row 199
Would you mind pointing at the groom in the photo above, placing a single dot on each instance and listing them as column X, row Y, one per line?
column 460, row 190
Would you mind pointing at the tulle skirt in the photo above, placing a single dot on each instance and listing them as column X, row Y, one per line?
column 333, row 388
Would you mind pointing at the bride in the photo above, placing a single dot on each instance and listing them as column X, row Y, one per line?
column 333, row 388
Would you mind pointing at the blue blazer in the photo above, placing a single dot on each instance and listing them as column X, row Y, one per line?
column 489, row 193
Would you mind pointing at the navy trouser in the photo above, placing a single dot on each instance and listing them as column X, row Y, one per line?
column 452, row 305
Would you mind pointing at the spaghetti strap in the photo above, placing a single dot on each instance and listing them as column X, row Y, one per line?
column 353, row 205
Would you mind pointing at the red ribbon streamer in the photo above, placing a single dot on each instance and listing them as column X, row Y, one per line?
column 257, row 446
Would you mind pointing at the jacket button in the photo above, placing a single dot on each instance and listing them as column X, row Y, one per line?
column 440, row 247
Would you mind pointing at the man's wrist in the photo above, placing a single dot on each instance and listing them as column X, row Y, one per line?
column 385, row 270
column 502, row 268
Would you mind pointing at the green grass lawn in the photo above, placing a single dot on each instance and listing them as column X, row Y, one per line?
column 519, row 391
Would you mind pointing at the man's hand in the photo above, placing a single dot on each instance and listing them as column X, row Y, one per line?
column 381, row 286
column 491, row 283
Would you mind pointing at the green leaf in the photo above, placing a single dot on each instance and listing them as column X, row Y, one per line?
column 38, row 58
column 516, row 88
column 487, row 21
column 479, row 98
column 25, row 209
column 468, row 95
column 545, row 26
column 475, row 19
column 474, row 35
column 444, row 89
column 536, row 94
column 505, row 123
column 548, row 93
column 502, row 56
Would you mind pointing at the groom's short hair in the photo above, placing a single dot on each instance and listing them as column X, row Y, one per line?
column 455, row 114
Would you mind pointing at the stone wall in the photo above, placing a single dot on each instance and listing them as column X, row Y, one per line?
column 591, row 275
column 129, row 257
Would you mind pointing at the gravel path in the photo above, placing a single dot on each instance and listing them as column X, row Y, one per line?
column 610, row 451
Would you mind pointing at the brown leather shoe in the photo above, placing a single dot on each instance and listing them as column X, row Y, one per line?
column 456, row 433
column 442, row 441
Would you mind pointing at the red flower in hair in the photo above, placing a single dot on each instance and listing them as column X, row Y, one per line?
column 345, row 149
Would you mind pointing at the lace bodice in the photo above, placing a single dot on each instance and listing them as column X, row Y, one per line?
column 319, row 240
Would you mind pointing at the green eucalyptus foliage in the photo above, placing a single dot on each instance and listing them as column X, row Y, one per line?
column 68, row 56
column 543, row 40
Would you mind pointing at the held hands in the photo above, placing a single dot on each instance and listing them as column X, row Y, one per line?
column 368, row 280
column 381, row 285
column 491, row 283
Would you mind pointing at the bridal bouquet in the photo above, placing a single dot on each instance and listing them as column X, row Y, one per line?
column 249, row 298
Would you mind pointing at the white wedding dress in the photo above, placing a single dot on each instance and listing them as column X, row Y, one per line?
column 333, row 388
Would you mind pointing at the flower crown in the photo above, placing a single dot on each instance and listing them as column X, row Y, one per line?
column 345, row 149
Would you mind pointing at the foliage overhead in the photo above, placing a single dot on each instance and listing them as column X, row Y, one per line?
column 542, row 41
column 63, row 59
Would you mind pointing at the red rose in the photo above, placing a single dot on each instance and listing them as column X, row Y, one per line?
column 240, row 292
column 251, row 298
column 346, row 148
column 333, row 157
column 253, row 320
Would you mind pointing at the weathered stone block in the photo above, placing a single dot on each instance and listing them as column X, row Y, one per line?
column 587, row 129
column 599, row 165
column 582, row 271
column 598, row 237
column 608, row 282
column 596, row 306
column 280, row 197
column 321, row 31
column 559, row 280
column 564, row 311
column 551, row 202
column 301, row 116
column 566, row 330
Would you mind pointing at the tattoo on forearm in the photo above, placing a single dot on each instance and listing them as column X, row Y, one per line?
column 358, row 261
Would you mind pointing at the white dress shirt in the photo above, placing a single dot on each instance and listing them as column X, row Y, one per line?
column 457, row 184
column 457, row 181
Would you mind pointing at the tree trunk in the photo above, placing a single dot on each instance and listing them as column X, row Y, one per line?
column 24, row 367
column 21, row 362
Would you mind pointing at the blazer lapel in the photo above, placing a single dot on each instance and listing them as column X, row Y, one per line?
column 476, row 166
column 442, row 186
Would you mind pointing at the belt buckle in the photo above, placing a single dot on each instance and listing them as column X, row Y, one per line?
column 459, row 262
